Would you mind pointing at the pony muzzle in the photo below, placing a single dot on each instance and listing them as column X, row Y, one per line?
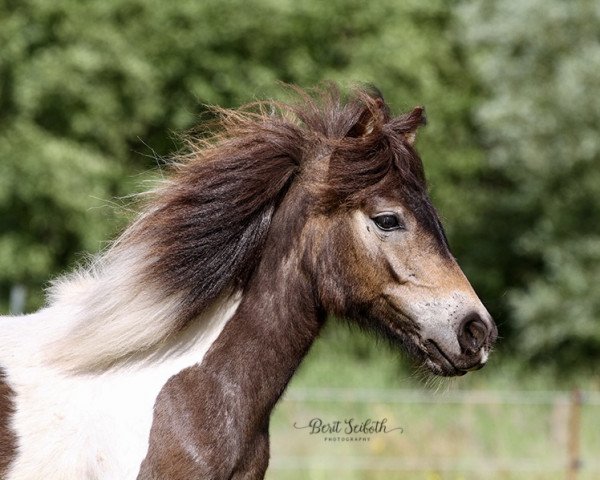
column 475, row 335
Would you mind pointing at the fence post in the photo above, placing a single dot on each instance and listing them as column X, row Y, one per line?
column 574, row 453
column 17, row 299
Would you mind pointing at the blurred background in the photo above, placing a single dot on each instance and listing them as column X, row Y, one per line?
column 93, row 95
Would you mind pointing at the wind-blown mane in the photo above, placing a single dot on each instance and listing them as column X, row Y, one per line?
column 202, row 232
column 165, row 357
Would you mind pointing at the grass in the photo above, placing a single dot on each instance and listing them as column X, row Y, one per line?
column 507, row 436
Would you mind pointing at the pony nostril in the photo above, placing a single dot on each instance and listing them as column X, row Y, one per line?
column 472, row 333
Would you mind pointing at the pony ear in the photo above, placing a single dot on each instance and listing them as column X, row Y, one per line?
column 375, row 112
column 413, row 120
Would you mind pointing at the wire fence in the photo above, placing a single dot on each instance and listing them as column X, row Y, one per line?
column 454, row 435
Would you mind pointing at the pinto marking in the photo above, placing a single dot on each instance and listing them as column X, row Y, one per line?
column 74, row 426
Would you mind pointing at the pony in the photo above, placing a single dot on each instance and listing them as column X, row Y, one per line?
column 165, row 355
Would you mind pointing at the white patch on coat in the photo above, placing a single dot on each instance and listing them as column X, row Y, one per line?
column 75, row 426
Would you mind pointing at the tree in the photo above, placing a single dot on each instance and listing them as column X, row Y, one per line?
column 538, row 62
column 92, row 91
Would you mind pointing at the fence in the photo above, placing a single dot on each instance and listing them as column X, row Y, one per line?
column 454, row 435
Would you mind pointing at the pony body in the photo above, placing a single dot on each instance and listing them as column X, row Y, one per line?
column 165, row 357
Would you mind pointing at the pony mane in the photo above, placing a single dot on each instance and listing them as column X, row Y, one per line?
column 202, row 232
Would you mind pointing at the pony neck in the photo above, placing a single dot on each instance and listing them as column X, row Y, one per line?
column 230, row 395
column 261, row 347
column 278, row 319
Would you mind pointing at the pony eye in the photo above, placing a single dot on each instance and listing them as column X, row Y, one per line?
column 387, row 222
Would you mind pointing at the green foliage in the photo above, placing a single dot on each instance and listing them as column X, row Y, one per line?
column 538, row 62
column 91, row 93
column 88, row 88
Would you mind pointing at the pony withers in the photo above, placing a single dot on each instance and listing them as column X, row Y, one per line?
column 164, row 357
